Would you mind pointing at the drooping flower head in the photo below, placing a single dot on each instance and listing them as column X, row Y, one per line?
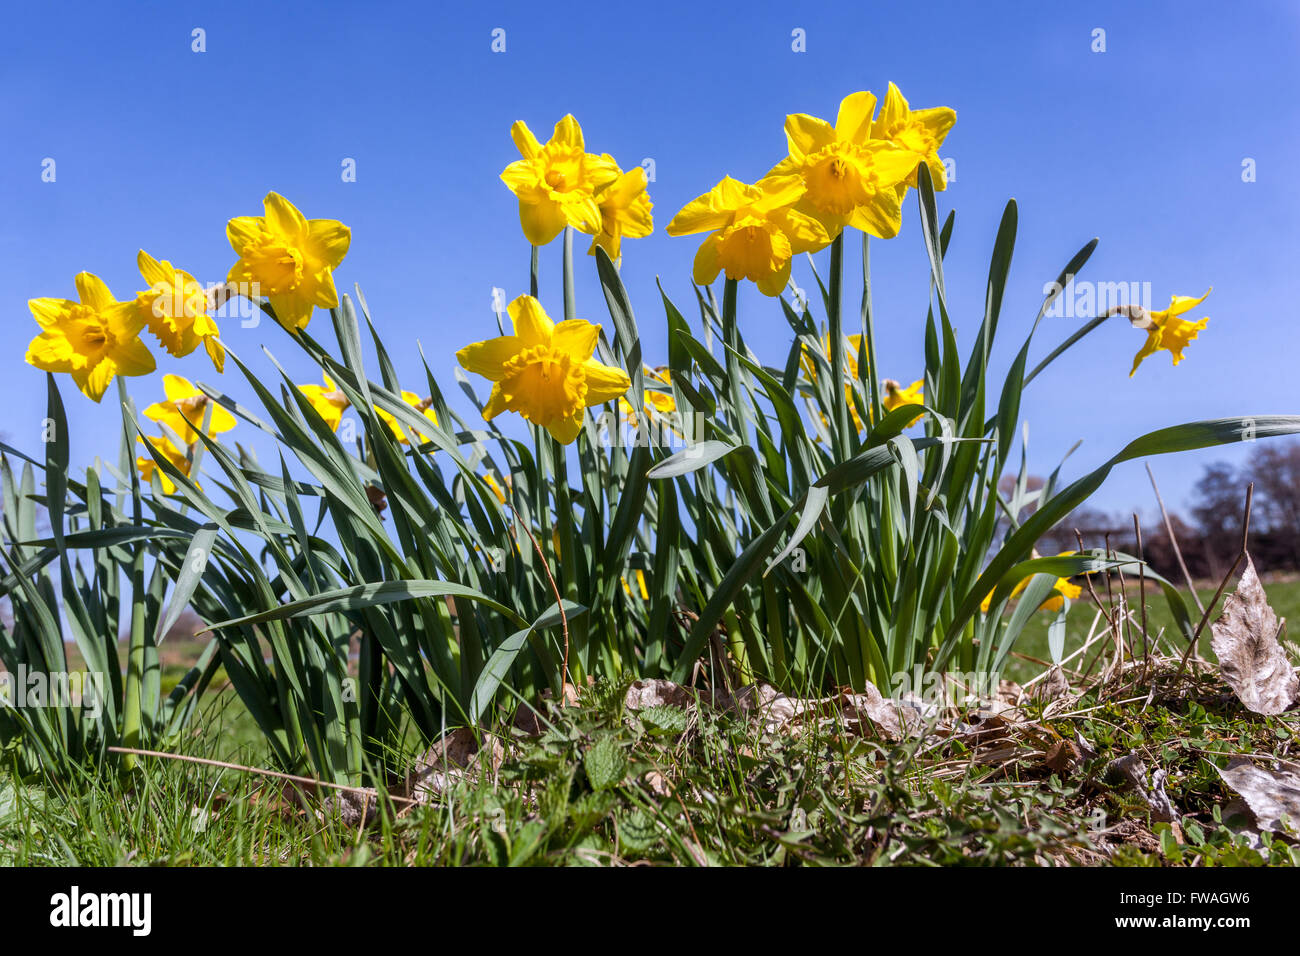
column 179, row 457
column 755, row 231
column 544, row 371
column 186, row 403
column 176, row 310
column 557, row 183
column 92, row 340
column 421, row 405
column 1165, row 330
column 288, row 258
column 850, row 179
column 328, row 400
column 624, row 211
column 918, row 132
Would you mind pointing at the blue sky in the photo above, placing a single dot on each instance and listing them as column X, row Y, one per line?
column 157, row 146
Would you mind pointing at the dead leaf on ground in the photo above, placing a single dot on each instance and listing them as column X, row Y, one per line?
column 1130, row 773
column 657, row 693
column 1270, row 794
column 1250, row 657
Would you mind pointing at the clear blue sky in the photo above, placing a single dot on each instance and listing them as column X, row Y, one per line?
column 1142, row 145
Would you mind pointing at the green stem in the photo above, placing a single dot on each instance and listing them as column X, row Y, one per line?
column 838, row 399
column 570, row 304
column 532, row 271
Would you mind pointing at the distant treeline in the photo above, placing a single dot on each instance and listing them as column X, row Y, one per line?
column 1209, row 532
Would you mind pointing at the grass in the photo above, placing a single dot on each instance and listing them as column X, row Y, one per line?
column 604, row 785
column 1031, row 652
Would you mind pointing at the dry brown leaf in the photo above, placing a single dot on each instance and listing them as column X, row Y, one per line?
column 657, row 693
column 1270, row 794
column 1250, row 657
column 1053, row 685
column 1130, row 773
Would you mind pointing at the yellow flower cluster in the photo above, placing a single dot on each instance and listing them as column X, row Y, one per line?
column 853, row 173
column 282, row 255
column 560, row 184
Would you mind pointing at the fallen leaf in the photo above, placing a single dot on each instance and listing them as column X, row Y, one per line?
column 1250, row 657
column 1130, row 773
column 1270, row 794
column 657, row 693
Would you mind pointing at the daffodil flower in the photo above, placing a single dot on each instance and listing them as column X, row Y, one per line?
column 896, row 396
column 329, row 401
column 176, row 310
column 544, row 371
column 495, row 485
column 177, row 456
column 92, row 340
column 850, row 178
column 185, row 404
column 1063, row 589
column 1164, row 329
column 755, row 231
column 624, row 211
column 421, row 405
column 557, row 183
column 656, row 402
column 288, row 258
column 852, row 346
column 919, row 132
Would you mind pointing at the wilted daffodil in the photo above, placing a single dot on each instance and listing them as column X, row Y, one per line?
column 896, row 396
column 624, row 211
column 755, row 231
column 850, row 178
column 177, row 456
column 421, row 405
column 919, row 132
column 544, row 371
column 1164, row 329
column 557, row 183
column 92, row 340
column 185, row 402
column 328, row 400
column 176, row 310
column 288, row 258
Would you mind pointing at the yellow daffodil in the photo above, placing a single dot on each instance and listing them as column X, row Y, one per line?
column 656, row 402
column 1165, row 330
column 919, row 132
column 850, row 179
column 557, row 183
column 896, row 396
column 624, row 211
column 421, row 405
column 289, row 258
column 177, row 456
column 755, row 231
column 176, row 310
column 852, row 346
column 496, row 487
column 1063, row 588
column 544, row 371
column 640, row 583
column 185, row 401
column 328, row 400
column 92, row 340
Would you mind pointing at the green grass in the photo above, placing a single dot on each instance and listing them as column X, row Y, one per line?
column 1031, row 648
column 606, row 786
